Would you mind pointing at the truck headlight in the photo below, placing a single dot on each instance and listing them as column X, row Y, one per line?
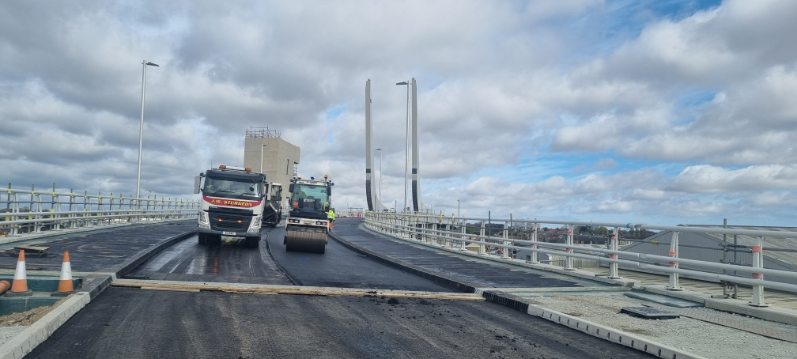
column 203, row 217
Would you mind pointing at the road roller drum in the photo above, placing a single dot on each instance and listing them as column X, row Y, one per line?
column 305, row 239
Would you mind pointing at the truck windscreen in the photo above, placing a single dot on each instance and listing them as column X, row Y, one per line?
column 228, row 188
column 310, row 197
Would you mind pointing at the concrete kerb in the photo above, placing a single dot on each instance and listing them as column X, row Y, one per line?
column 588, row 327
column 517, row 303
column 148, row 253
column 23, row 343
column 94, row 284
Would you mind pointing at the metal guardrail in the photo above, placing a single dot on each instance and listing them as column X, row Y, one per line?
column 24, row 211
column 457, row 233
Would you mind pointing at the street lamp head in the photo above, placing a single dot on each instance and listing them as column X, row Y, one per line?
column 150, row 63
column 403, row 83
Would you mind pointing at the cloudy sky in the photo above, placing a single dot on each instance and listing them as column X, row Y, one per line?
column 654, row 111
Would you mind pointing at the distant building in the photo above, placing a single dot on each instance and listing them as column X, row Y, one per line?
column 266, row 152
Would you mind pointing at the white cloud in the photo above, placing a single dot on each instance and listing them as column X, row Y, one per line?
column 501, row 86
column 704, row 178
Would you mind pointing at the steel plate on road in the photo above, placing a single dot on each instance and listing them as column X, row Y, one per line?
column 648, row 313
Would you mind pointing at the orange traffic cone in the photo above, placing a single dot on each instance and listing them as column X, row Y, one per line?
column 20, row 284
column 65, row 284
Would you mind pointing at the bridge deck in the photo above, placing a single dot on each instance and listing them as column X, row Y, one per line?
column 701, row 331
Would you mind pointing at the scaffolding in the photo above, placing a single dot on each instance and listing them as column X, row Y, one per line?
column 262, row 132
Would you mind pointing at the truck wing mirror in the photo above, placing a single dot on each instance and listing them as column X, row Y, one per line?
column 197, row 181
column 290, row 188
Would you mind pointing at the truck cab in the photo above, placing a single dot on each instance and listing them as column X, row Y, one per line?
column 233, row 201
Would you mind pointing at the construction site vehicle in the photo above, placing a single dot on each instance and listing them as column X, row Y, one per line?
column 307, row 225
column 272, row 212
column 233, row 200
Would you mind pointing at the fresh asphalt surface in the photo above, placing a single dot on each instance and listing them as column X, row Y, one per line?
column 235, row 263
column 97, row 251
column 135, row 323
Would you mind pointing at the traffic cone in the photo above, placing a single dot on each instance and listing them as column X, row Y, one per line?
column 65, row 284
column 20, row 284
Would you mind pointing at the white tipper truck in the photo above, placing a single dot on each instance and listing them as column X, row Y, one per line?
column 233, row 200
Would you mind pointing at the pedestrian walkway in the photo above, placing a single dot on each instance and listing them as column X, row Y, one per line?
column 103, row 250
column 472, row 272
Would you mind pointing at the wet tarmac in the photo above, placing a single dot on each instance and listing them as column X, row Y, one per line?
column 134, row 323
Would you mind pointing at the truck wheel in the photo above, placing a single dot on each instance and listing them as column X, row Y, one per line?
column 203, row 239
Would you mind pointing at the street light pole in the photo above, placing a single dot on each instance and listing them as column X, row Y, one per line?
column 144, row 64
column 458, row 216
column 406, row 140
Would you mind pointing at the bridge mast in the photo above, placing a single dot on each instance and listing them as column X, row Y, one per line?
column 416, row 186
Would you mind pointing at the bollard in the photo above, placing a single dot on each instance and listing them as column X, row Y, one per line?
column 505, row 254
column 613, row 267
column 757, row 299
column 482, row 249
column 534, row 256
column 569, row 249
column 434, row 238
column 674, row 279
column 464, row 232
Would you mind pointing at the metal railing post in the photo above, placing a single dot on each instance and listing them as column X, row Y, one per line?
column 505, row 252
column 464, row 232
column 482, row 248
column 8, row 197
column 569, row 248
column 674, row 278
column 99, row 207
column 55, row 207
column 534, row 259
column 84, row 220
column 757, row 298
column 614, row 272
column 38, row 216
column 434, row 237
column 71, row 222
column 14, row 209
